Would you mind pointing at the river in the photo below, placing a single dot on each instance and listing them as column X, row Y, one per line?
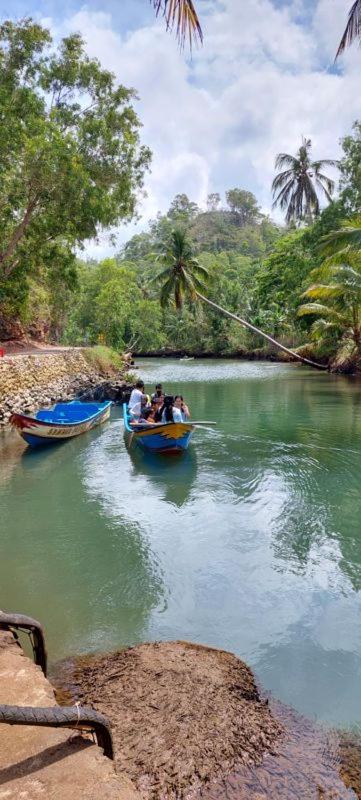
column 251, row 541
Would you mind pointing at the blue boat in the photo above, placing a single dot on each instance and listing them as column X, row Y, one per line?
column 63, row 421
column 165, row 437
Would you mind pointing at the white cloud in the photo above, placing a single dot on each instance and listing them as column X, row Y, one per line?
column 261, row 80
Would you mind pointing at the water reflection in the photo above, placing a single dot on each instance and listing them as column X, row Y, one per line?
column 89, row 582
column 174, row 475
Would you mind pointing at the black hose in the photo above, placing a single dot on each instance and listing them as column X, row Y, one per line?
column 33, row 628
column 80, row 718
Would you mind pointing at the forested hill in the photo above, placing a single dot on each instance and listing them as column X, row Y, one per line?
column 119, row 300
column 238, row 227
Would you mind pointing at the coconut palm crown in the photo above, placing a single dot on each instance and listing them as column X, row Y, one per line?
column 353, row 28
column 182, row 274
column 296, row 188
column 180, row 15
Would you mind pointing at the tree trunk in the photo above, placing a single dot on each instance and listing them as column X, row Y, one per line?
column 18, row 233
column 260, row 333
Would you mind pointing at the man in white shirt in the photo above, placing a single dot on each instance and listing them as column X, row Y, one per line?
column 136, row 398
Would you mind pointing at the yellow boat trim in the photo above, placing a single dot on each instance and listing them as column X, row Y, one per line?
column 175, row 430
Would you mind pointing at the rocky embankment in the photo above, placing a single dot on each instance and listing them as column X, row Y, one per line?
column 28, row 382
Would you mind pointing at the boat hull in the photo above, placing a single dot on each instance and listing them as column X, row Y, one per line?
column 171, row 437
column 37, row 433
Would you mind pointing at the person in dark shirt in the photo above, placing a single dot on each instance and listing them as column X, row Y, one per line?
column 158, row 391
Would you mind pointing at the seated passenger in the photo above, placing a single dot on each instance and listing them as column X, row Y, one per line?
column 160, row 408
column 158, row 391
column 137, row 398
column 149, row 414
column 167, row 410
column 180, row 405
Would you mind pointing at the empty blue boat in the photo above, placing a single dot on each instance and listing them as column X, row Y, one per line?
column 63, row 421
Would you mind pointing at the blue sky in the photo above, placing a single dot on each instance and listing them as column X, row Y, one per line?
column 263, row 77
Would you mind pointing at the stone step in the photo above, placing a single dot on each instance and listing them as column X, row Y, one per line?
column 46, row 763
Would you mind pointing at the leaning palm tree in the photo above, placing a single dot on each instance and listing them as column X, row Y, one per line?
column 183, row 276
column 353, row 28
column 296, row 188
column 181, row 15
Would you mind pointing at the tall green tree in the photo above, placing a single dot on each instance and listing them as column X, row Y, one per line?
column 71, row 162
column 183, row 276
column 243, row 206
column 350, row 168
column 296, row 188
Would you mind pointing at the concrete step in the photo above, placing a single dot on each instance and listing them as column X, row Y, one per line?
column 45, row 763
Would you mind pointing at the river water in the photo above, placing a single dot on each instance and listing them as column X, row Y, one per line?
column 251, row 541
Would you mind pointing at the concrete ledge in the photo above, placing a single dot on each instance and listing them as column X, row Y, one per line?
column 44, row 763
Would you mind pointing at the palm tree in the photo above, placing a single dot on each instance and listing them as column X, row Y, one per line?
column 296, row 188
column 181, row 15
column 345, row 239
column 353, row 28
column 336, row 299
column 183, row 276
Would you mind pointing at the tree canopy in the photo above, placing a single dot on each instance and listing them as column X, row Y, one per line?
column 71, row 163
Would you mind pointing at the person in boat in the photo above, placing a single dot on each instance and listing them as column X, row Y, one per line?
column 158, row 391
column 181, row 406
column 137, row 399
column 168, row 409
column 153, row 414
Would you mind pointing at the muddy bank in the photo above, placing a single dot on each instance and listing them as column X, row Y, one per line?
column 189, row 722
column 181, row 714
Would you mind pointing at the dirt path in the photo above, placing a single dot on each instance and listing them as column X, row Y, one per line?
column 32, row 348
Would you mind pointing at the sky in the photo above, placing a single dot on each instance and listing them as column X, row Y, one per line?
column 263, row 78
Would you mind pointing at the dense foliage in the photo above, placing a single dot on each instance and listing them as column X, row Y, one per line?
column 71, row 164
column 70, row 160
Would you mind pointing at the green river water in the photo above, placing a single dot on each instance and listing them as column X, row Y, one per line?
column 251, row 541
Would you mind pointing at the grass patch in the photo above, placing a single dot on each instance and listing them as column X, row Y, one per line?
column 104, row 359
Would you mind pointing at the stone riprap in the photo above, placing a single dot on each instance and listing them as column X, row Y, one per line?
column 29, row 382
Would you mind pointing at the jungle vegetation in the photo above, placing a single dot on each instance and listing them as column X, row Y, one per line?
column 72, row 164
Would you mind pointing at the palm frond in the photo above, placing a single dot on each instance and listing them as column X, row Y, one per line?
column 353, row 28
column 347, row 238
column 322, row 291
column 327, row 185
column 182, row 16
column 285, row 160
column 166, row 291
column 324, row 311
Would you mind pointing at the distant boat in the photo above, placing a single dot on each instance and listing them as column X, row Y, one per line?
column 165, row 437
column 63, row 421
column 187, row 358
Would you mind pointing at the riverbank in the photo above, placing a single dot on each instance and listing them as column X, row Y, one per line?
column 28, row 382
column 189, row 722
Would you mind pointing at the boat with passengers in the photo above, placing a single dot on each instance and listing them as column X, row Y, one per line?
column 162, row 437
